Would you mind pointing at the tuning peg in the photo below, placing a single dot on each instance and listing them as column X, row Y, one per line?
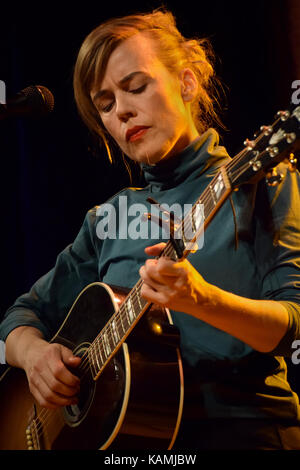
column 290, row 137
column 273, row 178
column 249, row 144
column 283, row 115
column 292, row 162
column 267, row 130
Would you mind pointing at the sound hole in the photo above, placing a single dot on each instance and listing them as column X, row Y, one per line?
column 74, row 414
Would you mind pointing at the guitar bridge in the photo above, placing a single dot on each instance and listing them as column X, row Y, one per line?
column 32, row 434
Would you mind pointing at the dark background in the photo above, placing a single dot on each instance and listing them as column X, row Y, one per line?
column 50, row 172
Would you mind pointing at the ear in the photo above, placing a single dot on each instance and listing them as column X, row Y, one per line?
column 189, row 85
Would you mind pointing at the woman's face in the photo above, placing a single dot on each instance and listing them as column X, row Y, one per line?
column 143, row 106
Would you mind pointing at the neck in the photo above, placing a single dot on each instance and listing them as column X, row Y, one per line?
column 186, row 139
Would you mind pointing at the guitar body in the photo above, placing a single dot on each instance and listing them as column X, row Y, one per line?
column 136, row 401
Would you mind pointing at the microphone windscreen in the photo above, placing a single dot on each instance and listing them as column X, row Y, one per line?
column 40, row 98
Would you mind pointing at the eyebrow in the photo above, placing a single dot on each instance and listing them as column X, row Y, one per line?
column 124, row 80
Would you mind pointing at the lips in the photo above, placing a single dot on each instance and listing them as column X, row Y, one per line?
column 135, row 133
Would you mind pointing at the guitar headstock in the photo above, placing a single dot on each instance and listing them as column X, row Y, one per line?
column 269, row 147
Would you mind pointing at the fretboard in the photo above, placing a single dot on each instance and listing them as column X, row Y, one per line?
column 117, row 329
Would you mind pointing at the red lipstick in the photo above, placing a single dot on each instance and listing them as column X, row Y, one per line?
column 136, row 133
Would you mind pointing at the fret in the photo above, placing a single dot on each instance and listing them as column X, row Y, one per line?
column 208, row 206
column 121, row 324
column 197, row 217
column 139, row 300
column 193, row 223
column 183, row 230
column 91, row 361
column 97, row 345
column 115, row 332
column 212, row 192
column 99, row 351
column 131, row 309
column 106, row 345
column 193, row 220
column 127, row 314
column 130, row 314
column 219, row 186
column 142, row 302
column 110, row 337
column 125, row 317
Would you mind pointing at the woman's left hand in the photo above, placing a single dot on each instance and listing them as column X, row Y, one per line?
column 173, row 284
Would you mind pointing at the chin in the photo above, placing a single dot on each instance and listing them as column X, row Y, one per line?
column 148, row 154
column 145, row 156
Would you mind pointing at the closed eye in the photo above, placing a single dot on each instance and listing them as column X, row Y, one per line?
column 138, row 90
column 135, row 91
column 107, row 108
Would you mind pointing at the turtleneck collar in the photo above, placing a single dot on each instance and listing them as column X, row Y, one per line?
column 188, row 164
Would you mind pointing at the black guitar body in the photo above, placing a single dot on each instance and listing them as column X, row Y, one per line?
column 136, row 401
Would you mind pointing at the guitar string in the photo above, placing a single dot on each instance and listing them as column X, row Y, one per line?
column 240, row 171
column 86, row 361
column 263, row 135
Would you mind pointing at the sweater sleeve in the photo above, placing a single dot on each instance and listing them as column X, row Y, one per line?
column 48, row 301
column 278, row 256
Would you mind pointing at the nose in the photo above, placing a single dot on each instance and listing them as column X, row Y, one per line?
column 124, row 108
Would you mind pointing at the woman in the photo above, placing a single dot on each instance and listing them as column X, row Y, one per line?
column 139, row 82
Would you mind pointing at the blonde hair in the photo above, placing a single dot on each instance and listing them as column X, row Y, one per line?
column 175, row 52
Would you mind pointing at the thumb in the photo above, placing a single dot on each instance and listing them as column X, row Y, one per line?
column 155, row 250
column 69, row 358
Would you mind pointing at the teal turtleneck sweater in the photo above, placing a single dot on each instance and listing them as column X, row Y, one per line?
column 230, row 378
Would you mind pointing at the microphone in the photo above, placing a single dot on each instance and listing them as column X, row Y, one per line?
column 33, row 101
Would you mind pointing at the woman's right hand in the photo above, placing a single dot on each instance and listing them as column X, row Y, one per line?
column 50, row 380
column 47, row 366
